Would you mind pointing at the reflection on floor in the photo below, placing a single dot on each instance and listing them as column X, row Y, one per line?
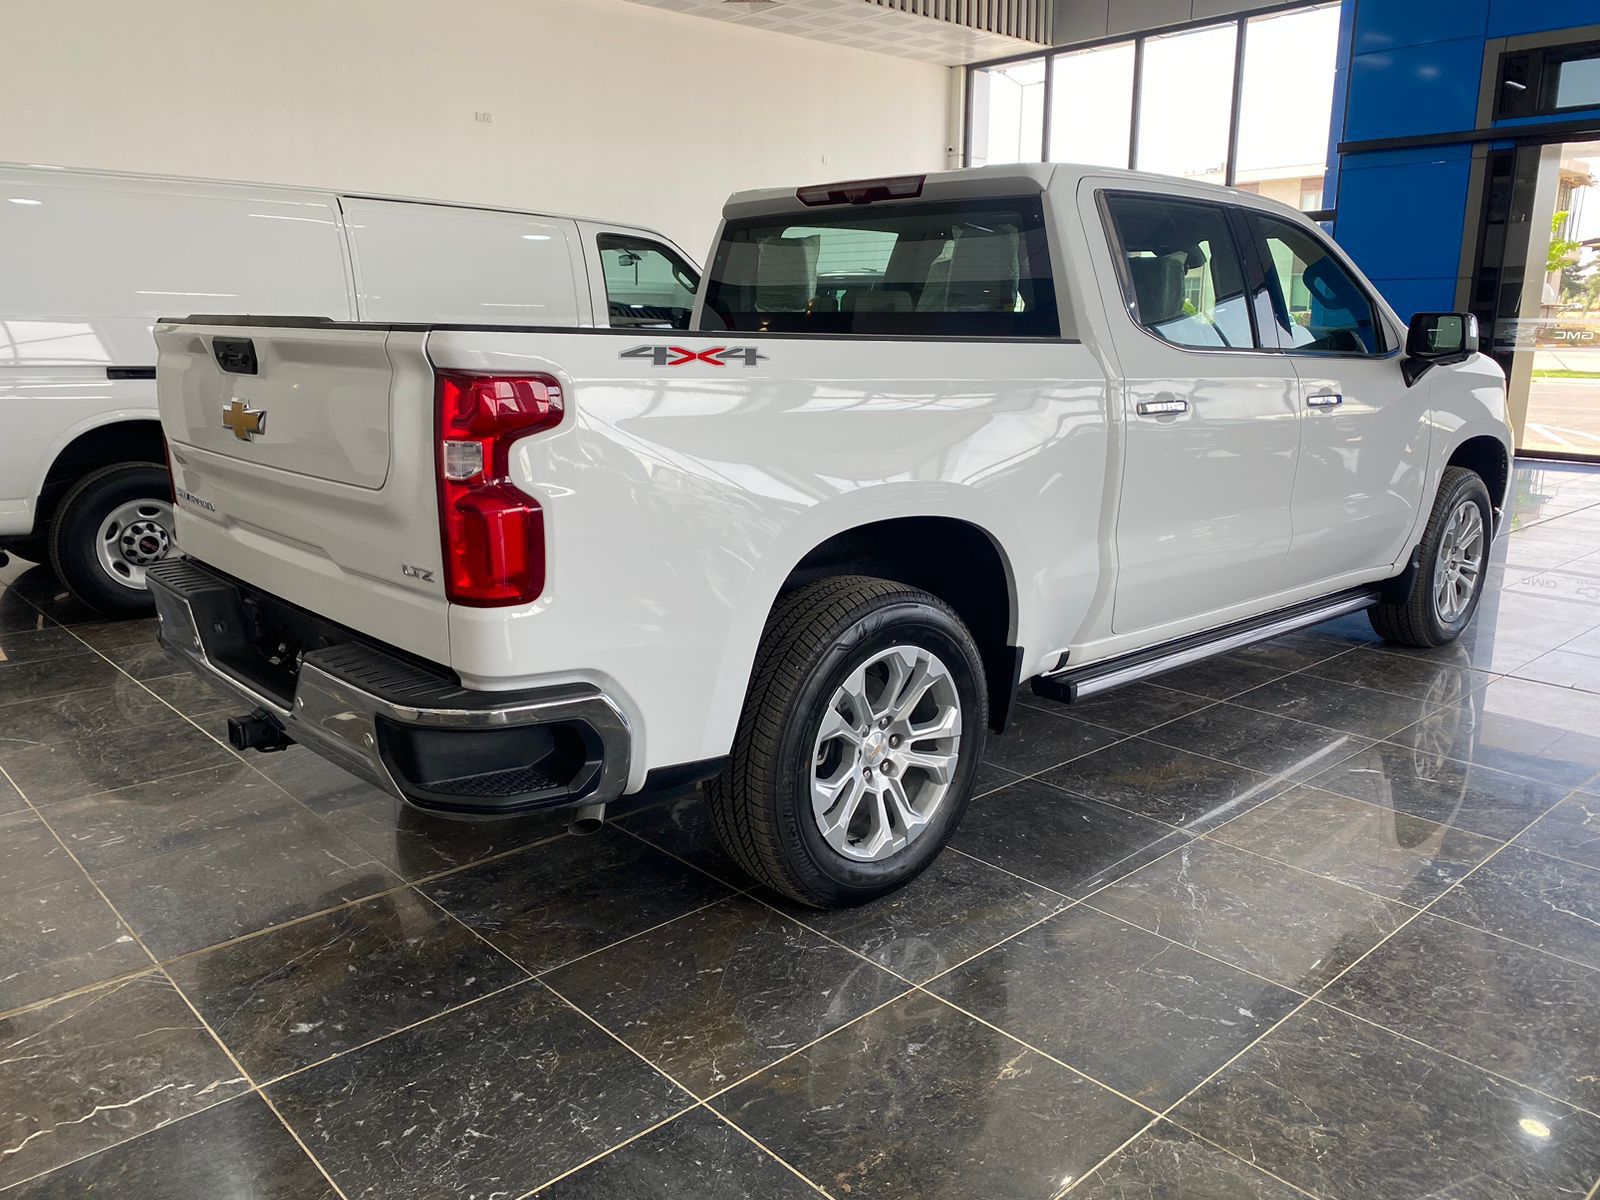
column 1317, row 918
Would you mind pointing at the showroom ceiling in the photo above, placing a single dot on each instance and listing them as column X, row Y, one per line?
column 951, row 33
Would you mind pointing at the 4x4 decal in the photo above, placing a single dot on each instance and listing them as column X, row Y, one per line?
column 677, row 356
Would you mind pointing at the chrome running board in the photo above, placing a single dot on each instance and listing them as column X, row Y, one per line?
column 1080, row 683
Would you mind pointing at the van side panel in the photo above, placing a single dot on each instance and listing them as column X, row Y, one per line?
column 92, row 261
column 433, row 262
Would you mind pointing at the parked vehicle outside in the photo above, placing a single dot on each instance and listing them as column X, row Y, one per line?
column 924, row 438
column 93, row 258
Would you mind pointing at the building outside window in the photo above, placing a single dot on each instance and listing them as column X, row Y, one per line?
column 1165, row 102
column 1012, row 105
column 1286, row 105
column 1186, row 103
column 1091, row 106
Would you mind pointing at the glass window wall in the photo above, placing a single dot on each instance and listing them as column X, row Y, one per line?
column 1183, row 103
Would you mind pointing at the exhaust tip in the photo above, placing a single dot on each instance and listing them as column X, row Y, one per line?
column 587, row 820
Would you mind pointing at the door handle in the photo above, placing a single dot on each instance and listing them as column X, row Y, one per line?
column 1324, row 400
column 1166, row 406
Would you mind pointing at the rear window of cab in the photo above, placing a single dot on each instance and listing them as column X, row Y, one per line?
column 952, row 269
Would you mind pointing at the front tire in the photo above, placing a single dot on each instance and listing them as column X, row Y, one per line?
column 859, row 741
column 1452, row 561
column 112, row 525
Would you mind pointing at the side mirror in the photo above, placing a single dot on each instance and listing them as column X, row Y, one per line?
column 1438, row 337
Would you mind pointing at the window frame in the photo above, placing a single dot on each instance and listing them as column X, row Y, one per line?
column 1050, row 55
column 1042, row 254
column 1543, row 66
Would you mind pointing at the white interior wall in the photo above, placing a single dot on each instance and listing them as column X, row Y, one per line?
column 600, row 107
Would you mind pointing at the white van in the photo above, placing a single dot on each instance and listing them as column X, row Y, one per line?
column 92, row 259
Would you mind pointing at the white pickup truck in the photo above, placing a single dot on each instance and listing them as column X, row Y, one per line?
column 925, row 438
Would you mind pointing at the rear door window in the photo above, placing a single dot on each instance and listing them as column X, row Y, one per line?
column 1182, row 271
column 647, row 285
column 952, row 269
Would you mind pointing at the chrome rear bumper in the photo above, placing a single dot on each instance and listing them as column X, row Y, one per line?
column 411, row 731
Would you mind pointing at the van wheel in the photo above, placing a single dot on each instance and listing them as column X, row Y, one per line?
column 112, row 525
column 1452, row 561
column 858, row 745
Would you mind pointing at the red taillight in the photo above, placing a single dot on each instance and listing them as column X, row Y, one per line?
column 493, row 534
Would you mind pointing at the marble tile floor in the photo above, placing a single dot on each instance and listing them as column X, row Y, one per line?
column 1320, row 918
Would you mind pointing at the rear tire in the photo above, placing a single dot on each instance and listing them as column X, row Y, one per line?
column 1452, row 560
column 113, row 524
column 852, row 676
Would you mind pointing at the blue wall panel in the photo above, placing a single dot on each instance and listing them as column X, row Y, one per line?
column 1411, row 68
column 1401, row 215
column 1387, row 24
column 1415, row 90
column 1408, row 297
column 1507, row 18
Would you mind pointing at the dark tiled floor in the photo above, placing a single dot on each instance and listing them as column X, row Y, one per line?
column 1319, row 917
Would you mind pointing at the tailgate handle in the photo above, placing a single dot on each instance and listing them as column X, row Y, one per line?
column 236, row 356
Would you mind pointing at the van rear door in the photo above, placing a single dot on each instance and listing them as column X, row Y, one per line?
column 471, row 266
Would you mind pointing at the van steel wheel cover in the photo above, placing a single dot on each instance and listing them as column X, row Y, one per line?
column 134, row 536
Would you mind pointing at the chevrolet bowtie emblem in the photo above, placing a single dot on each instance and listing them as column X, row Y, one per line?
column 245, row 421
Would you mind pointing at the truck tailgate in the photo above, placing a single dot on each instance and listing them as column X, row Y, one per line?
column 303, row 463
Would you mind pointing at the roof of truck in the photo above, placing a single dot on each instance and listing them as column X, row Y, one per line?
column 1004, row 179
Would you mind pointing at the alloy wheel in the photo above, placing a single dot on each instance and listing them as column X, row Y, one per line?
column 1458, row 569
column 886, row 753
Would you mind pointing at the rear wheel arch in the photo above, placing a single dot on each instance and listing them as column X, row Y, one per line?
column 133, row 441
column 950, row 558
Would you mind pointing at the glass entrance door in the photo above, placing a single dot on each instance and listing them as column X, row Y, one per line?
column 1543, row 223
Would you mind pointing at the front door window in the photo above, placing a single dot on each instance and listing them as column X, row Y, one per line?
column 647, row 285
column 1318, row 305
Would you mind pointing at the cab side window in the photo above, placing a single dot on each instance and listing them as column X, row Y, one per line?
column 1318, row 307
column 1184, row 274
column 647, row 285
